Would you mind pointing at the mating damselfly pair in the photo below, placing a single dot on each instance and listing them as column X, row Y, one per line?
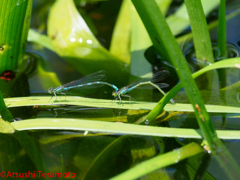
column 99, row 78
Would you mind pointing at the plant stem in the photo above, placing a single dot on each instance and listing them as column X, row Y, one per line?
column 222, row 30
column 14, row 22
column 5, row 113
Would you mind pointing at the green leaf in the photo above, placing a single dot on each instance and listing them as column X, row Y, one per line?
column 6, row 127
column 222, row 30
column 129, row 33
column 228, row 63
column 41, row 39
column 211, row 26
column 115, row 128
column 140, row 41
column 201, row 37
column 14, row 22
column 164, row 41
column 138, row 148
column 104, row 103
column 91, row 158
column 5, row 113
column 31, row 149
column 179, row 20
column 160, row 162
column 121, row 35
column 73, row 40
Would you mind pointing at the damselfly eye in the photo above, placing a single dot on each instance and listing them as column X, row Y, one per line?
column 114, row 93
column 50, row 90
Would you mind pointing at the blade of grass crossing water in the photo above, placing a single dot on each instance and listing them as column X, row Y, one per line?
column 222, row 44
column 201, row 38
column 162, row 38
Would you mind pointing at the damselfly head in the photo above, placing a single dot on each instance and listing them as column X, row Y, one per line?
column 114, row 93
column 50, row 90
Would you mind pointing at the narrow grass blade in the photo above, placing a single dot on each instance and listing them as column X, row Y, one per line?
column 222, row 30
column 180, row 20
column 104, row 103
column 211, row 26
column 201, row 37
column 115, row 128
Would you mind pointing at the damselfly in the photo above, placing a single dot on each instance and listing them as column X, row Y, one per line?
column 89, row 81
column 143, row 82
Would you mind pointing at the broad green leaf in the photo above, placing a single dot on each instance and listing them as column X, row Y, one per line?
column 140, row 41
column 130, row 34
column 121, row 35
column 73, row 40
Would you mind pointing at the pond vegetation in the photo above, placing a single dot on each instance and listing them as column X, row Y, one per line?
column 119, row 89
